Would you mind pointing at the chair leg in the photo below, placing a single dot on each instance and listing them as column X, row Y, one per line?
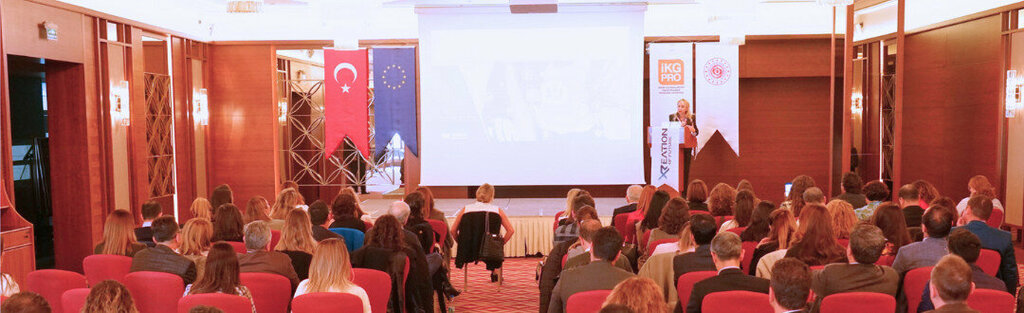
column 465, row 277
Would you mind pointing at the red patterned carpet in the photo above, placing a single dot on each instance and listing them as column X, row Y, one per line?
column 518, row 293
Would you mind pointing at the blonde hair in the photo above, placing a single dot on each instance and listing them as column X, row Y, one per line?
column 297, row 234
column 843, row 218
column 485, row 193
column 569, row 197
column 196, row 237
column 109, row 296
column 118, row 233
column 640, row 294
column 201, row 208
column 686, row 239
column 981, row 186
column 330, row 267
column 256, row 210
column 287, row 200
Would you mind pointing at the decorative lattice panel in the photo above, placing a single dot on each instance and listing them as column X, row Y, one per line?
column 159, row 122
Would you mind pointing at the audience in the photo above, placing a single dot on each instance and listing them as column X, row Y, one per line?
column 726, row 251
column 568, row 227
column 552, row 267
column 814, row 242
column 484, row 197
column 287, row 200
column 331, row 271
column 119, row 235
column 966, row 245
column 979, row 185
column 889, row 218
column 721, row 200
column 358, row 211
column 295, row 186
column 417, row 223
column 742, row 211
column 258, row 259
column 641, row 210
column 162, row 257
column 843, row 218
column 227, row 224
column 388, row 240
column 569, row 198
column 256, row 209
column 25, row 302
column 877, row 193
column 773, row 247
column 108, row 296
column 926, row 192
column 150, row 211
column 795, row 198
column 790, row 287
column 760, row 222
column 297, row 241
column 583, row 214
column 221, row 274
column 343, row 210
column 861, row 275
column 813, row 195
column 196, row 242
column 653, row 214
column 979, row 207
column 697, row 195
column 220, row 195
column 319, row 219
column 852, row 190
column 201, row 208
column 910, row 204
column 673, row 217
column 639, row 294
column 703, row 228
column 632, row 196
column 600, row 274
column 745, row 185
column 936, row 224
column 589, row 228
column 950, row 286
column 431, row 212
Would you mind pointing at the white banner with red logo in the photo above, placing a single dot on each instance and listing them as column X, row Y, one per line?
column 671, row 81
column 717, row 93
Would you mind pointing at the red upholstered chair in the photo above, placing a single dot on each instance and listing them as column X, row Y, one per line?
column 73, row 300
column 988, row 261
column 224, row 302
column 851, row 302
column 155, row 292
column 817, row 268
column 586, row 302
column 748, row 254
column 440, row 231
column 692, row 212
column 719, row 220
column 736, row 301
column 377, row 285
column 239, row 246
column 654, row 244
column 620, row 222
column 886, row 260
column 737, row 230
column 368, row 225
column 565, row 257
column 913, row 286
column 995, row 220
column 270, row 292
column 100, row 267
column 51, row 284
column 672, row 192
column 275, row 236
column 644, row 238
column 685, row 284
column 327, row 302
column 558, row 216
column 844, row 242
column 991, row 301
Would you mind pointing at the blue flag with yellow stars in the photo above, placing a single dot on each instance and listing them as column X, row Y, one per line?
column 394, row 89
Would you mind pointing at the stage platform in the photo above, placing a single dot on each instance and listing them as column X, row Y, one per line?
column 532, row 218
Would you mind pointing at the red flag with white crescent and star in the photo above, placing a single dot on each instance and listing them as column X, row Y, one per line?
column 346, row 77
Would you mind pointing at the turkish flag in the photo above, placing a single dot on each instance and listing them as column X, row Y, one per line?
column 346, row 77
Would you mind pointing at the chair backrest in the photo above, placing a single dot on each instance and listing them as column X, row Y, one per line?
column 644, row 238
column 239, row 247
column 991, row 301
column 748, row 254
column 654, row 244
column 51, row 284
column 913, row 286
column 886, row 260
column 851, row 302
column 327, row 302
column 224, row 302
column 844, row 242
column 440, row 232
column 565, row 257
column 719, row 220
column 353, row 237
column 377, row 285
column 685, row 284
column 100, row 267
column 692, row 212
column 155, row 292
column 368, row 225
column 586, row 302
column 619, row 222
column 736, row 301
column 558, row 217
column 275, row 236
column 988, row 261
column 270, row 292
column 74, row 299
column 737, row 230
column 995, row 220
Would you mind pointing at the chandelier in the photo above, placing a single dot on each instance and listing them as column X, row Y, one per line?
column 835, row 3
column 244, row 6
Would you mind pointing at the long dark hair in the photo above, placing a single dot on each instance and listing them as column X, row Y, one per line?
column 744, row 208
column 760, row 222
column 796, row 193
column 221, row 273
column 387, row 233
column 889, row 217
column 658, row 201
column 674, row 216
column 221, row 195
column 227, row 223
column 814, row 237
column 416, row 202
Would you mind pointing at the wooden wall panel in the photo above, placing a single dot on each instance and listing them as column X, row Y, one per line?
column 243, row 120
column 784, row 58
column 951, row 105
column 1014, row 193
column 22, row 31
column 184, row 175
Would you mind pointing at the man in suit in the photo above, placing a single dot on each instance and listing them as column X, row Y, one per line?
column 909, row 200
column 852, row 193
column 951, row 285
column 726, row 251
column 979, row 207
column 866, row 245
column 936, row 224
column 703, row 228
column 967, row 246
column 162, row 257
column 632, row 197
column 319, row 216
column 258, row 260
column 552, row 268
column 600, row 274
column 790, row 286
column 150, row 211
column 587, row 230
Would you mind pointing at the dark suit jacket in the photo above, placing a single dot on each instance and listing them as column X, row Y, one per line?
column 1001, row 241
column 320, row 233
column 623, row 209
column 600, row 275
column 584, row 259
column 727, row 280
column 268, row 262
column 913, row 215
column 300, row 262
column 698, row 260
column 551, row 271
column 857, row 200
column 349, row 222
column 980, row 279
column 955, row 308
column 838, row 278
column 163, row 259
column 145, row 236
column 423, row 232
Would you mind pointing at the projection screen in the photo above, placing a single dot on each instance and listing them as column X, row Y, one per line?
column 531, row 99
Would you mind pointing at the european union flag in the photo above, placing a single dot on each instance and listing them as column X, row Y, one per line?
column 394, row 89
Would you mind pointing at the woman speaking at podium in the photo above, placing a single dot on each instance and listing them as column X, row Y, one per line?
column 690, row 131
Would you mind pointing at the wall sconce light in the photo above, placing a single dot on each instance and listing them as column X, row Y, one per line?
column 1014, row 93
column 200, row 107
column 282, row 111
column 119, row 104
column 856, row 107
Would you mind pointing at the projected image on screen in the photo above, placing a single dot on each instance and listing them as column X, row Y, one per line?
column 531, row 99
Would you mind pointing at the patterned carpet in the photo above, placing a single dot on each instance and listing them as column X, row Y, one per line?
column 518, row 292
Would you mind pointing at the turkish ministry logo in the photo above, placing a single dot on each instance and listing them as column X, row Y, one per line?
column 670, row 72
column 717, row 71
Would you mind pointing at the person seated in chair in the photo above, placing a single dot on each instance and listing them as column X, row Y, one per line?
column 726, row 252
column 632, row 197
column 386, row 240
column 951, row 285
column 588, row 228
column 909, row 202
column 979, row 208
column 150, row 211
column 703, row 228
column 343, row 210
column 790, row 286
column 861, row 274
column 258, row 259
column 936, row 224
column 163, row 257
column 320, row 217
column 967, row 246
column 552, row 266
column 600, row 274
column 484, row 197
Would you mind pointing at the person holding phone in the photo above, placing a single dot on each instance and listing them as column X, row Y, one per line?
column 689, row 125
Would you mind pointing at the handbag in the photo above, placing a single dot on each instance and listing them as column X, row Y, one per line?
column 492, row 247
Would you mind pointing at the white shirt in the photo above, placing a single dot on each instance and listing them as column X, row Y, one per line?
column 481, row 207
column 960, row 207
column 352, row 290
